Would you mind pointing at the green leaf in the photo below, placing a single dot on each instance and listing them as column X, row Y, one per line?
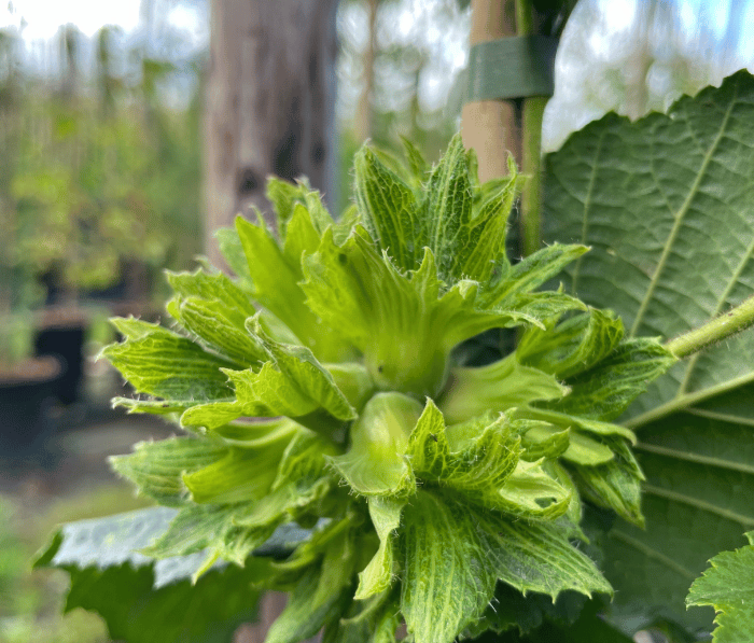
column 594, row 427
column 604, row 391
column 388, row 209
column 146, row 601
column 293, row 383
column 195, row 529
column 216, row 287
column 156, row 468
column 206, row 612
column 478, row 466
column 231, row 249
column 404, row 213
column 376, row 462
column 300, row 482
column 374, row 620
column 544, row 440
column 417, row 164
column 379, row 574
column 571, row 346
column 320, row 596
column 283, row 195
column 691, row 180
column 113, row 541
column 389, row 317
column 406, row 324
column 449, row 200
column 727, row 586
column 286, row 198
column 245, row 472
column 500, row 386
column 304, row 373
column 353, row 380
column 116, row 540
column 214, row 309
column 536, row 619
column 531, row 272
column 162, row 363
column 300, row 236
column 587, row 451
column 537, row 556
column 132, row 328
column 246, row 402
column 691, row 464
column 531, row 492
column 276, row 278
column 243, row 493
column 447, row 580
column 615, row 484
column 454, row 554
column 243, row 475
column 151, row 406
column 480, row 242
column 538, row 306
column 301, row 216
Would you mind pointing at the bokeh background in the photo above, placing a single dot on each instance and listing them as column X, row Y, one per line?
column 109, row 164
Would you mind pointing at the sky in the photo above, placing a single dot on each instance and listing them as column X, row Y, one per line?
column 44, row 17
column 578, row 65
column 41, row 19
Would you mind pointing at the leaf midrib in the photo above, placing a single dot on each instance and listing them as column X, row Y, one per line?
column 587, row 208
column 688, row 399
column 652, row 553
column 690, row 456
column 718, row 309
column 678, row 220
column 746, row 522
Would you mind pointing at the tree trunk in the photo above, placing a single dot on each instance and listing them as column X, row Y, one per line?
column 489, row 127
column 270, row 103
column 270, row 109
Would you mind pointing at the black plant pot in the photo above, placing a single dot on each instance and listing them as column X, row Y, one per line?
column 65, row 341
column 26, row 398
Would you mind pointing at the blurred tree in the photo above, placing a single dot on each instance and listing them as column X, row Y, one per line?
column 269, row 102
column 398, row 68
column 269, row 109
column 107, row 81
column 70, row 53
column 9, row 96
column 100, row 178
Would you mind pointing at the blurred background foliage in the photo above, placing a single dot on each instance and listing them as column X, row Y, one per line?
column 101, row 132
column 100, row 172
column 101, row 158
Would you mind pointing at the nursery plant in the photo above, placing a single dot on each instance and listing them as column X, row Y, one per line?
column 390, row 419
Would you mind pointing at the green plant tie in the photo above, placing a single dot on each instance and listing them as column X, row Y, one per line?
column 514, row 67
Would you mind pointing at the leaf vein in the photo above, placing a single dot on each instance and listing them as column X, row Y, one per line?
column 746, row 521
column 651, row 552
column 587, row 206
column 678, row 223
column 686, row 400
column 695, row 457
column 718, row 309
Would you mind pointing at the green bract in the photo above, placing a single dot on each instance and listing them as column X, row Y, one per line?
column 326, row 382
